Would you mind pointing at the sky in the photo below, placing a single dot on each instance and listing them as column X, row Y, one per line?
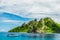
column 28, row 9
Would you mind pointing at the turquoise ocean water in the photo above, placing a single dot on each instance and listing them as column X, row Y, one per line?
column 29, row 36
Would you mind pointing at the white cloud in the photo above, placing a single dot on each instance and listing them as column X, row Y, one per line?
column 32, row 8
column 39, row 9
column 16, row 6
column 13, row 21
column 10, row 21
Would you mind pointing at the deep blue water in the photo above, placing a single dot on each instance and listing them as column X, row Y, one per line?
column 29, row 36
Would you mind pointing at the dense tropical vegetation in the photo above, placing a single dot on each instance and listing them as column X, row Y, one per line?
column 44, row 25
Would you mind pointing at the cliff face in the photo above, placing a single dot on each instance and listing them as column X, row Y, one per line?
column 44, row 25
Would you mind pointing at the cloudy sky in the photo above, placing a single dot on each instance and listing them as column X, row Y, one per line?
column 30, row 9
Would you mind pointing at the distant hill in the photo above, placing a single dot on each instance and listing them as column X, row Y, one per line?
column 44, row 25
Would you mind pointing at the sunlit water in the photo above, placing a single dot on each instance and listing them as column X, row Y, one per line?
column 29, row 36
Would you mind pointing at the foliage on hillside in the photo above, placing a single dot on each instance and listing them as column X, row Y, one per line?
column 44, row 25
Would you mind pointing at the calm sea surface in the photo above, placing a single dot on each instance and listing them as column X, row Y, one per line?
column 28, row 36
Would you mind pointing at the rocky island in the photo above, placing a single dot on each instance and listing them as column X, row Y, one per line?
column 44, row 25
